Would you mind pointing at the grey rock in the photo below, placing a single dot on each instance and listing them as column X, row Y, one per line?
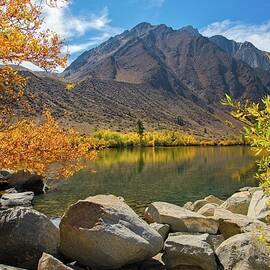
column 199, row 204
column 17, row 199
column 238, row 203
column 258, row 207
column 7, row 267
column 104, row 232
column 231, row 224
column 188, row 206
column 24, row 235
column 181, row 219
column 208, row 209
column 214, row 200
column 48, row 262
column 189, row 251
column 24, row 181
column 162, row 229
column 244, row 251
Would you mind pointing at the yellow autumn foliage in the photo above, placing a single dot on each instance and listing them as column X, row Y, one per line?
column 41, row 147
column 44, row 148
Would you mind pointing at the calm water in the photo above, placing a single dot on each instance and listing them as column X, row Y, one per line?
column 175, row 175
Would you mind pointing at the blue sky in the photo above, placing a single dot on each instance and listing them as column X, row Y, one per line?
column 86, row 23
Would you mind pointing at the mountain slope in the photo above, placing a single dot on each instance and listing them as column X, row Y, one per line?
column 98, row 104
column 155, row 74
column 176, row 61
column 245, row 51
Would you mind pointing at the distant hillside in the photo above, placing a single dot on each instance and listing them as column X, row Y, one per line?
column 170, row 79
column 100, row 104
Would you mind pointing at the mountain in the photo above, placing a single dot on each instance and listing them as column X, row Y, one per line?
column 175, row 61
column 153, row 73
column 245, row 51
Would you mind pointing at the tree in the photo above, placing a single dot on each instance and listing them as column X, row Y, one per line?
column 140, row 128
column 256, row 118
column 180, row 121
column 28, row 145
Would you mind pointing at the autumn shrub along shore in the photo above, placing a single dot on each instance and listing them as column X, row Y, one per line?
column 111, row 139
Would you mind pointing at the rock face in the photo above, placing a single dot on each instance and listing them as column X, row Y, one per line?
column 180, row 219
column 17, row 199
column 244, row 251
column 232, row 224
column 245, row 51
column 48, row 262
column 238, row 203
column 104, row 232
column 162, row 229
column 24, row 235
column 189, row 251
column 258, row 207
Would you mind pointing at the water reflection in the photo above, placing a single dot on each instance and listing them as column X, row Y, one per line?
column 167, row 174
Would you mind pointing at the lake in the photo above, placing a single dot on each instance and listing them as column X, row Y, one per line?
column 144, row 175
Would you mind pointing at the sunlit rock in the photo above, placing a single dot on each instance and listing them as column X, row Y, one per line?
column 104, row 232
column 180, row 219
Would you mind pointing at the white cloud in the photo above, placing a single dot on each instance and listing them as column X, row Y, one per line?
column 75, row 48
column 31, row 66
column 67, row 25
column 258, row 34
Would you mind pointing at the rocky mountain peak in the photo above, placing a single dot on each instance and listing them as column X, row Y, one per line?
column 191, row 30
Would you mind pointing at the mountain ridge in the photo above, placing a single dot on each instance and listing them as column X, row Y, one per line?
column 156, row 74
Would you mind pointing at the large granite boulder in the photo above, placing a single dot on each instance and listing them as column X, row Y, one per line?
column 17, row 199
column 231, row 224
column 180, row 219
column 162, row 229
column 24, row 235
column 238, row 203
column 244, row 251
column 259, row 207
column 189, row 251
column 48, row 262
column 104, row 232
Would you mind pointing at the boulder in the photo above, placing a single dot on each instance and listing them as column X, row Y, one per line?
column 162, row 229
column 214, row 200
column 188, row 206
column 199, row 204
column 258, row 207
column 181, row 219
column 104, row 232
column 208, row 209
column 214, row 240
column 24, row 235
column 231, row 224
column 24, row 181
column 7, row 267
column 48, row 262
column 238, row 203
column 244, row 251
column 17, row 199
column 189, row 251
